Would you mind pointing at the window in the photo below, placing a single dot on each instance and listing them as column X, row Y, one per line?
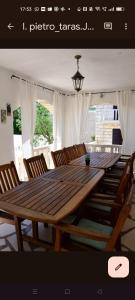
column 44, row 125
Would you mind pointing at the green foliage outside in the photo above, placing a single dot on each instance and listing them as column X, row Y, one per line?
column 44, row 123
column 17, row 121
column 43, row 128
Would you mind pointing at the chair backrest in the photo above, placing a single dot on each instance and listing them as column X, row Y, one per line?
column 122, row 217
column 35, row 166
column 84, row 147
column 59, row 158
column 122, row 193
column 125, row 180
column 132, row 164
column 71, row 153
column 8, row 177
column 81, row 149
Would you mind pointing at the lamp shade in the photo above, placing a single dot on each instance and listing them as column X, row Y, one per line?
column 78, row 81
column 78, row 78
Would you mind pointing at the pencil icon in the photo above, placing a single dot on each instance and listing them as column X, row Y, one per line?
column 118, row 267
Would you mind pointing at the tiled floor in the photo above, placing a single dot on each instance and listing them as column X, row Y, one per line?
column 8, row 236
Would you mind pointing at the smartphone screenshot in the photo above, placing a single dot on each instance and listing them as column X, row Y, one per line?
column 67, row 149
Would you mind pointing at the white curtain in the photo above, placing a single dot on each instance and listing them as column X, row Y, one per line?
column 76, row 118
column 123, row 101
column 28, row 96
column 58, row 120
column 86, row 101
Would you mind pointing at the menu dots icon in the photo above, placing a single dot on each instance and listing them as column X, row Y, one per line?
column 126, row 26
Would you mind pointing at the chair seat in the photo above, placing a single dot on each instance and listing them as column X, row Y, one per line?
column 95, row 227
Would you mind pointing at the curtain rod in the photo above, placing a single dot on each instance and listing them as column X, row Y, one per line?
column 43, row 87
column 51, row 90
column 100, row 93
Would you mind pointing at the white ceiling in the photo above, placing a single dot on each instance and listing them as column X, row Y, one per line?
column 103, row 68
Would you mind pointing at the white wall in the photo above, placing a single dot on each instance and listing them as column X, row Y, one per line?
column 7, row 95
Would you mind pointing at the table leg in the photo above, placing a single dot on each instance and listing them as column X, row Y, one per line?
column 18, row 233
column 58, row 237
column 35, row 230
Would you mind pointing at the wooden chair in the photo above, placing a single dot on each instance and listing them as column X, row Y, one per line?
column 104, row 207
column 114, row 176
column 123, row 160
column 8, row 180
column 35, row 166
column 85, row 233
column 71, row 153
column 59, row 158
column 81, row 149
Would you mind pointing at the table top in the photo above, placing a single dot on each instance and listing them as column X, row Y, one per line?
column 72, row 174
column 101, row 160
column 52, row 196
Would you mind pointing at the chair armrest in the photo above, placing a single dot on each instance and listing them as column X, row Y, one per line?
column 71, row 229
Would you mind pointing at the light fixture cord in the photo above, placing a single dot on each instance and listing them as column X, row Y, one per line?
column 77, row 64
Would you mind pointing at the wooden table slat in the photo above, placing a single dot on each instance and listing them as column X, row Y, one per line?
column 101, row 160
column 52, row 196
column 49, row 198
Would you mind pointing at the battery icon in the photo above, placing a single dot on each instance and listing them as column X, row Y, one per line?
column 120, row 8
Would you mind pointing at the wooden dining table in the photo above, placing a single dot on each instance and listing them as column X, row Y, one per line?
column 101, row 160
column 53, row 196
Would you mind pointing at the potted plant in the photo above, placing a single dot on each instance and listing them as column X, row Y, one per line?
column 87, row 159
column 93, row 138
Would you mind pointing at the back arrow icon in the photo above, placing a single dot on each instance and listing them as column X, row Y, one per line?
column 10, row 26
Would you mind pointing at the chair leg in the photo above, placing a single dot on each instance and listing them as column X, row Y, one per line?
column 53, row 235
column 58, row 240
column 18, row 233
column 35, row 230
